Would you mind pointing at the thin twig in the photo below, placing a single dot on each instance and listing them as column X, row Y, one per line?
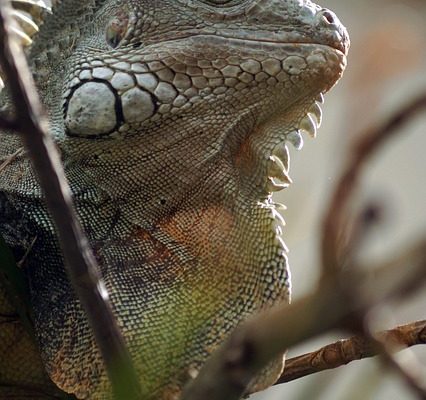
column 370, row 142
column 405, row 273
column 81, row 265
column 409, row 374
column 21, row 262
column 355, row 348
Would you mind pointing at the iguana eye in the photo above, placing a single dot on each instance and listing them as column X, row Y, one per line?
column 116, row 30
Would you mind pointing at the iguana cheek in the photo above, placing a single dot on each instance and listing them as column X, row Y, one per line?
column 204, row 233
column 84, row 116
column 97, row 108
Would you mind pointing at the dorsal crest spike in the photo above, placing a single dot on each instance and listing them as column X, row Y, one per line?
column 56, row 26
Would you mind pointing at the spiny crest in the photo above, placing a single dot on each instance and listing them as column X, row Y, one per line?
column 50, row 33
column 61, row 29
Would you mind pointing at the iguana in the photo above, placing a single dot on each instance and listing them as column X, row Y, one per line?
column 171, row 118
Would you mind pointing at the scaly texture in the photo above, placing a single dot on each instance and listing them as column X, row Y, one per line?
column 171, row 118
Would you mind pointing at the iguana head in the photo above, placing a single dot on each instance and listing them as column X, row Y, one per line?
column 172, row 119
column 185, row 84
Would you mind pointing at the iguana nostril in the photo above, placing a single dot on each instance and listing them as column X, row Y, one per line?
column 328, row 17
column 330, row 31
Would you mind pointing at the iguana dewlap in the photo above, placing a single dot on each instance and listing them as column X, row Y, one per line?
column 171, row 118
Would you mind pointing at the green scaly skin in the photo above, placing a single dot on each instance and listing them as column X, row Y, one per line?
column 171, row 118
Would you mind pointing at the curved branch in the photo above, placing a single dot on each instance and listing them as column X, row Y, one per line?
column 336, row 216
column 409, row 373
column 355, row 348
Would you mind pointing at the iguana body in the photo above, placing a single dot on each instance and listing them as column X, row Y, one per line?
column 166, row 114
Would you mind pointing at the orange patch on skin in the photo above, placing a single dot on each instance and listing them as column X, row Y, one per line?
column 205, row 232
column 244, row 159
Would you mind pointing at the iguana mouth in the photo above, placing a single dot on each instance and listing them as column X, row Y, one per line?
column 134, row 93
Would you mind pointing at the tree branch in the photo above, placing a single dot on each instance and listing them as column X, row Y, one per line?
column 83, row 271
column 408, row 371
column 231, row 368
column 335, row 222
column 355, row 348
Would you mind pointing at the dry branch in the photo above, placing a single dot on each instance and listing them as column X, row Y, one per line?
column 335, row 222
column 31, row 123
column 409, row 372
column 355, row 348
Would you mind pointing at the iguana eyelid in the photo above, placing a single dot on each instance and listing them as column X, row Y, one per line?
column 226, row 4
column 219, row 2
